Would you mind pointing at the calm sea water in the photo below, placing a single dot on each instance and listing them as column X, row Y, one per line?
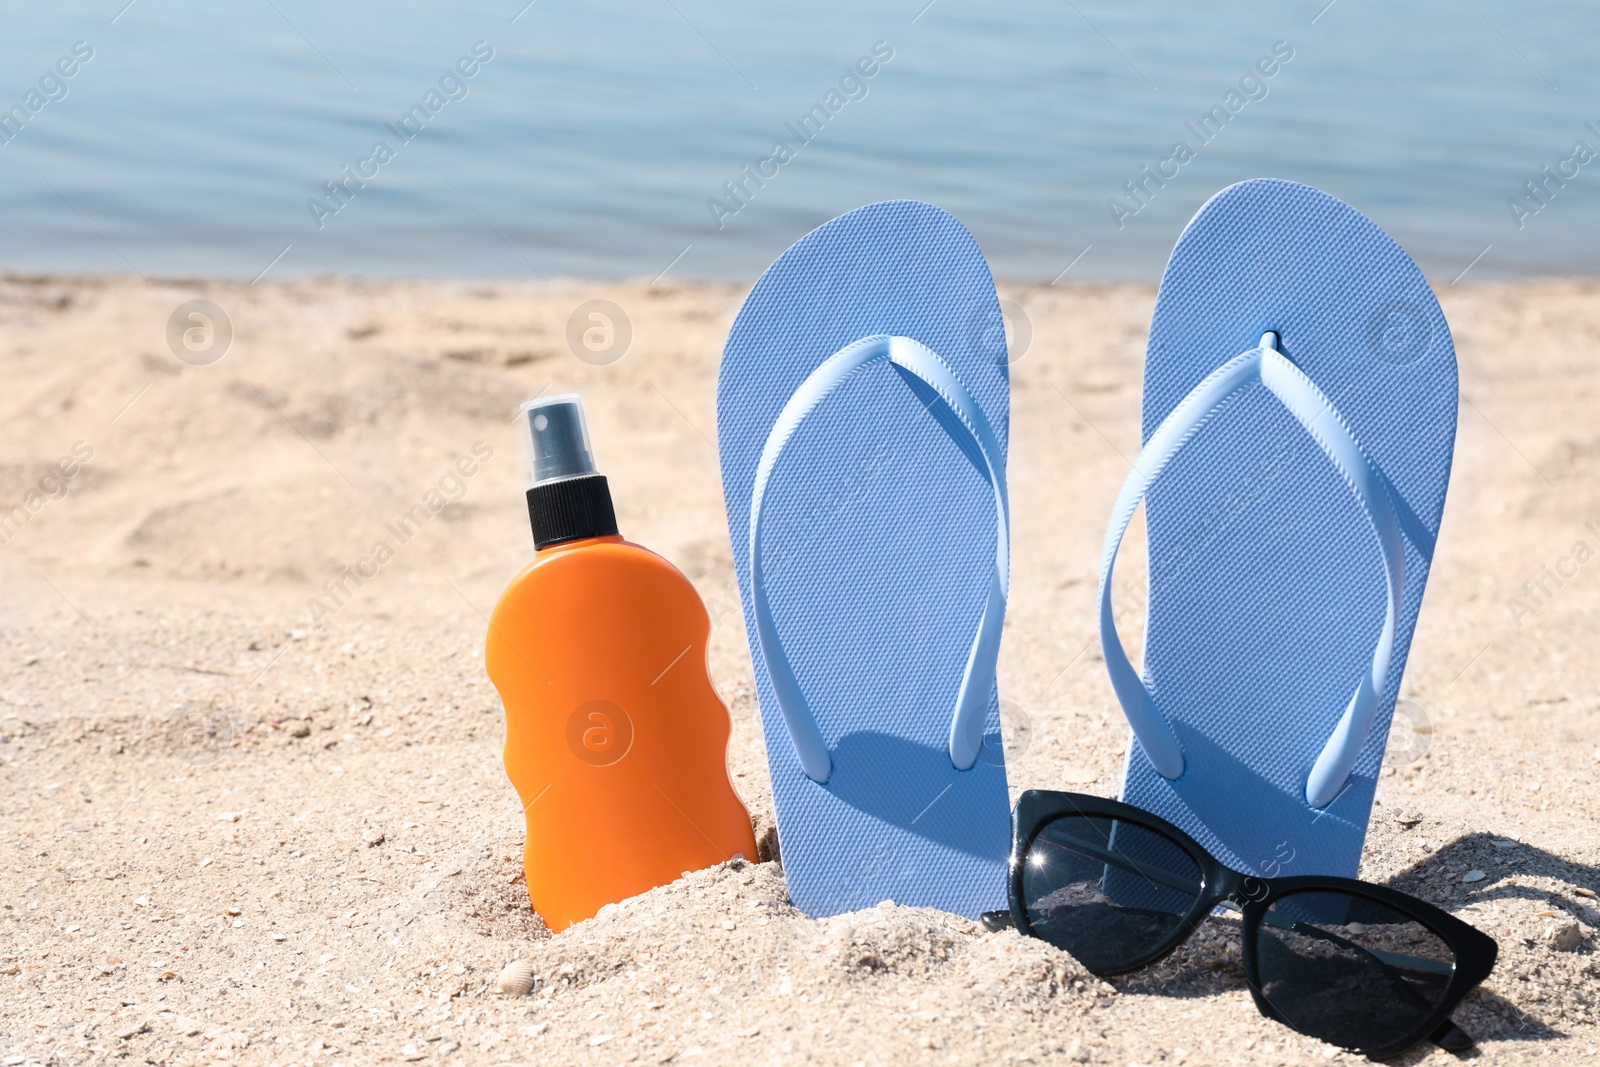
column 637, row 137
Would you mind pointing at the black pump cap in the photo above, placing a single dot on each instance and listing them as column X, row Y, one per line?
column 569, row 499
column 571, row 509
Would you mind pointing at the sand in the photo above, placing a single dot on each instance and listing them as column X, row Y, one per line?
column 239, row 828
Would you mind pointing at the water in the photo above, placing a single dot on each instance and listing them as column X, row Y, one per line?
column 594, row 138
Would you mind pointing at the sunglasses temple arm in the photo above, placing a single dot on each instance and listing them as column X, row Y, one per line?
column 1128, row 863
column 1451, row 1037
column 1394, row 959
column 1307, row 930
column 1447, row 1035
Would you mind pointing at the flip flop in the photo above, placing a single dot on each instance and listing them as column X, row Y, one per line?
column 1299, row 422
column 862, row 420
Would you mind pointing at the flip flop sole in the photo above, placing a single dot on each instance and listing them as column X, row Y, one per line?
column 879, row 546
column 1266, row 592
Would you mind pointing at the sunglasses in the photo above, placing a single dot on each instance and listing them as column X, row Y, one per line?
column 1357, row 965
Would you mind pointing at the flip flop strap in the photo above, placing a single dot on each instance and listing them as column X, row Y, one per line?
column 966, row 720
column 1316, row 413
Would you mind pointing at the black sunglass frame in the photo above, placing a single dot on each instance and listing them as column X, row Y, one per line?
column 1474, row 950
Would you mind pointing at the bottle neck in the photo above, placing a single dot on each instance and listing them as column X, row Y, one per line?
column 571, row 509
column 581, row 542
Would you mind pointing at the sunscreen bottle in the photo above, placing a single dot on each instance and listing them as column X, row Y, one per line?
column 616, row 741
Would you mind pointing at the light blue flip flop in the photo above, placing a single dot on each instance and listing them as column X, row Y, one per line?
column 1299, row 422
column 862, row 420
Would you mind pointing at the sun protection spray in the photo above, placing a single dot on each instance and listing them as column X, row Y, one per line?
column 615, row 739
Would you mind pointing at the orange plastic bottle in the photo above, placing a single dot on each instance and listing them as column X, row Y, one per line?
column 615, row 739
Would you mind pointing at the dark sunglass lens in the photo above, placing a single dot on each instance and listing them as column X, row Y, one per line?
column 1109, row 891
column 1349, row 970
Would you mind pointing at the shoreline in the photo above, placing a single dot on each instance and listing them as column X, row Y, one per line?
column 30, row 276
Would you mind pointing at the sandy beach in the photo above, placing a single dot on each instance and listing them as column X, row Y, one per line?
column 246, row 820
